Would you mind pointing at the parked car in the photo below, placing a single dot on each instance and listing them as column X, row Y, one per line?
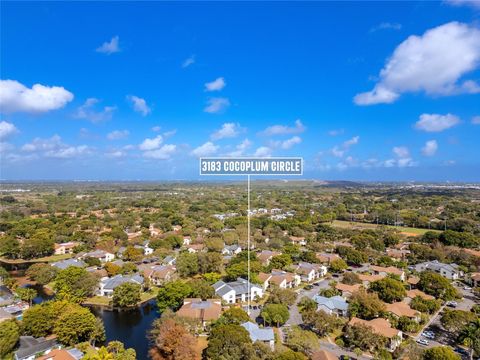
column 467, row 288
column 308, row 287
column 423, row 342
column 452, row 304
column 462, row 351
column 428, row 335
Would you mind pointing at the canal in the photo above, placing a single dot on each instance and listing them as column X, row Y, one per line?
column 130, row 327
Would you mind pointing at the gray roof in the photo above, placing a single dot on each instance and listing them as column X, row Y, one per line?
column 63, row 264
column 96, row 253
column 118, row 280
column 436, row 266
column 332, row 303
column 75, row 353
column 231, row 247
column 168, row 259
column 240, row 286
column 257, row 333
column 201, row 305
column 30, row 346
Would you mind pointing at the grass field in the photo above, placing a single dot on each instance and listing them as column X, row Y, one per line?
column 51, row 258
column 357, row 225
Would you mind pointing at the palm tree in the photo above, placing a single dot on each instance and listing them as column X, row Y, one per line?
column 470, row 336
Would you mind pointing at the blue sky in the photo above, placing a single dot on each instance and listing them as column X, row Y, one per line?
column 127, row 91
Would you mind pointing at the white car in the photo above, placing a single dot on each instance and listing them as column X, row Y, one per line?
column 428, row 335
column 422, row 342
column 467, row 288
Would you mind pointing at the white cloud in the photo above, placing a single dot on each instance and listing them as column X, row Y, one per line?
column 386, row 26
column 16, row 97
column 289, row 143
column 110, row 47
column 429, row 63
column 340, row 150
column 436, row 122
column 472, row 3
column 156, row 128
column 401, row 151
column 284, row 130
column 263, row 151
column 476, row 120
column 87, row 112
column 241, row 148
column 151, row 144
column 402, row 159
column 7, row 130
column 430, row 148
column 116, row 154
column 163, row 153
column 118, row 134
column 54, row 148
column 216, row 105
column 206, row 149
column 228, row 130
column 336, row 132
column 188, row 61
column 139, row 105
column 215, row 85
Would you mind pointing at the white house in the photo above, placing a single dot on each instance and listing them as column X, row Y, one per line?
column 108, row 285
column 333, row 305
column 237, row 291
column 257, row 333
column 280, row 278
column 65, row 248
column 231, row 250
column 309, row 272
column 449, row 271
column 102, row 255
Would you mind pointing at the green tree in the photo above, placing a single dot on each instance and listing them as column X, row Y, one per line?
column 363, row 337
column 440, row 353
column 455, row 320
column 277, row 314
column 301, row 340
column 234, row 315
column 338, row 265
column 41, row 273
column 126, row 295
column 26, row 294
column 470, row 336
column 187, row 264
column 365, row 305
column 437, row 286
column 172, row 294
column 201, row 289
column 229, row 342
column 388, row 289
column 74, row 284
column 282, row 296
column 77, row 324
column 425, row 306
column 9, row 336
column 351, row 278
column 171, row 340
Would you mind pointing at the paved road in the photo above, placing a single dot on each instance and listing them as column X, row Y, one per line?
column 338, row 351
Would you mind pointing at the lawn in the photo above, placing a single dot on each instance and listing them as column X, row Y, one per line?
column 358, row 225
column 51, row 258
column 98, row 300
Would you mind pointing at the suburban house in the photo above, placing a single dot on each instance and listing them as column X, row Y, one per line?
column 108, row 285
column 412, row 294
column 399, row 309
column 30, row 347
column 266, row 255
column 257, row 333
column 367, row 279
column 231, row 250
column 154, row 231
column 412, row 281
column 65, row 248
column 381, row 327
column 187, row 240
column 102, row 255
column 147, row 250
column 63, row 264
column 205, row 311
column 347, row 290
column 391, row 270
column 237, row 291
column 333, row 305
column 449, row 271
column 327, row 258
column 195, row 248
column 169, row 260
column 280, row 278
column 63, row 354
column 298, row 240
column 474, row 279
column 309, row 272
column 158, row 274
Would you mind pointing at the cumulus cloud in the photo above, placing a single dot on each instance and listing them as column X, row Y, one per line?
column 429, row 63
column 476, row 120
column 188, row 61
column 430, row 148
column 54, row 148
column 216, row 105
column 16, row 97
column 87, row 111
column 139, row 105
column 7, row 130
column 118, row 134
column 110, row 47
column 156, row 128
column 151, row 144
column 206, row 149
column 436, row 122
column 289, row 143
column 228, row 130
column 402, row 158
column 284, row 130
column 263, row 151
column 472, row 3
column 215, row 85
column 241, row 148
column 340, row 150
column 163, row 153
column 336, row 132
